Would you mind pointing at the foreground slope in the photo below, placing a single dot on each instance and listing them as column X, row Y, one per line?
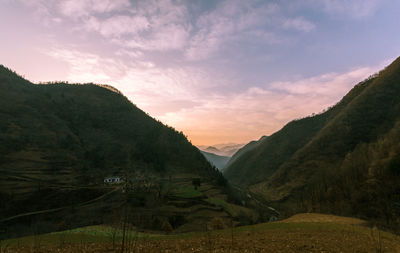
column 300, row 233
column 58, row 143
column 344, row 160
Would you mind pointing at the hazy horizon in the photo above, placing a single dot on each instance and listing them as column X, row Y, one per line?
column 220, row 71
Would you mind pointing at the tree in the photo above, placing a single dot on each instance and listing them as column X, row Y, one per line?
column 217, row 223
column 166, row 227
column 196, row 183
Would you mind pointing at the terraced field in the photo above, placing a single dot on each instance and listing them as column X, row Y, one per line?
column 177, row 200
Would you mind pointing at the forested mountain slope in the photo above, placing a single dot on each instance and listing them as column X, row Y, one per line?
column 59, row 141
column 95, row 125
column 244, row 149
column 343, row 161
column 257, row 165
column 218, row 161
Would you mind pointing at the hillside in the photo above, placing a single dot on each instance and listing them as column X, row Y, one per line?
column 216, row 160
column 341, row 161
column 244, row 149
column 301, row 233
column 58, row 143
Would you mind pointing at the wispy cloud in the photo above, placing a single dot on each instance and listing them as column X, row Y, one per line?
column 353, row 8
column 263, row 110
column 165, row 25
column 87, row 67
column 83, row 8
column 118, row 26
column 222, row 24
column 299, row 23
column 156, row 90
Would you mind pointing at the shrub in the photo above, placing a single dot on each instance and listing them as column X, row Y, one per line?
column 217, row 223
column 166, row 227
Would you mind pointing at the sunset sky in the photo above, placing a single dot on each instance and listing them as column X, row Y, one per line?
column 220, row 71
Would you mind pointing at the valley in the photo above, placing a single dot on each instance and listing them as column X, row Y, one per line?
column 109, row 169
column 131, row 126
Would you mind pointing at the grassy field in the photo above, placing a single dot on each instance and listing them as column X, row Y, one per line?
column 300, row 233
column 188, row 192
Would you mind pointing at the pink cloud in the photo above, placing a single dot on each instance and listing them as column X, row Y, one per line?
column 240, row 117
column 117, row 26
column 77, row 9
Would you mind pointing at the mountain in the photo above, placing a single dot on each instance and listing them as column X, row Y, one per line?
column 212, row 149
column 60, row 141
column 227, row 149
column 244, row 149
column 344, row 161
column 216, row 160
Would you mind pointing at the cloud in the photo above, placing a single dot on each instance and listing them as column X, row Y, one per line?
column 224, row 23
column 330, row 84
column 240, row 117
column 118, row 26
column 168, row 37
column 149, row 25
column 169, row 25
column 87, row 67
column 299, row 23
column 78, row 9
column 156, row 90
column 130, row 53
column 42, row 11
column 353, row 8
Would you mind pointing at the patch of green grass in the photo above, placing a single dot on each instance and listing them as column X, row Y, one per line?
column 90, row 234
column 221, row 203
column 100, row 230
column 55, row 238
column 188, row 192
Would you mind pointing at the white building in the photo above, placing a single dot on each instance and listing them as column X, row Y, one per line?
column 112, row 180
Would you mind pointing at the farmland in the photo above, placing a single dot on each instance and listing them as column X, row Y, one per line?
column 300, row 233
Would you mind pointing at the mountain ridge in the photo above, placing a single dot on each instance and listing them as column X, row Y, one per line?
column 301, row 166
column 60, row 141
column 218, row 161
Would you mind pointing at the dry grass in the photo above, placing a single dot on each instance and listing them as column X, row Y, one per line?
column 301, row 233
column 326, row 218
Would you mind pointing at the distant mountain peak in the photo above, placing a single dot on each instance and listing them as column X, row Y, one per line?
column 212, row 149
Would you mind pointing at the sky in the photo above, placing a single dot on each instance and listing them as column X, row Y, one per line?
column 226, row 71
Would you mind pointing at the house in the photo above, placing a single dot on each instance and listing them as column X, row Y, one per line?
column 112, row 180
